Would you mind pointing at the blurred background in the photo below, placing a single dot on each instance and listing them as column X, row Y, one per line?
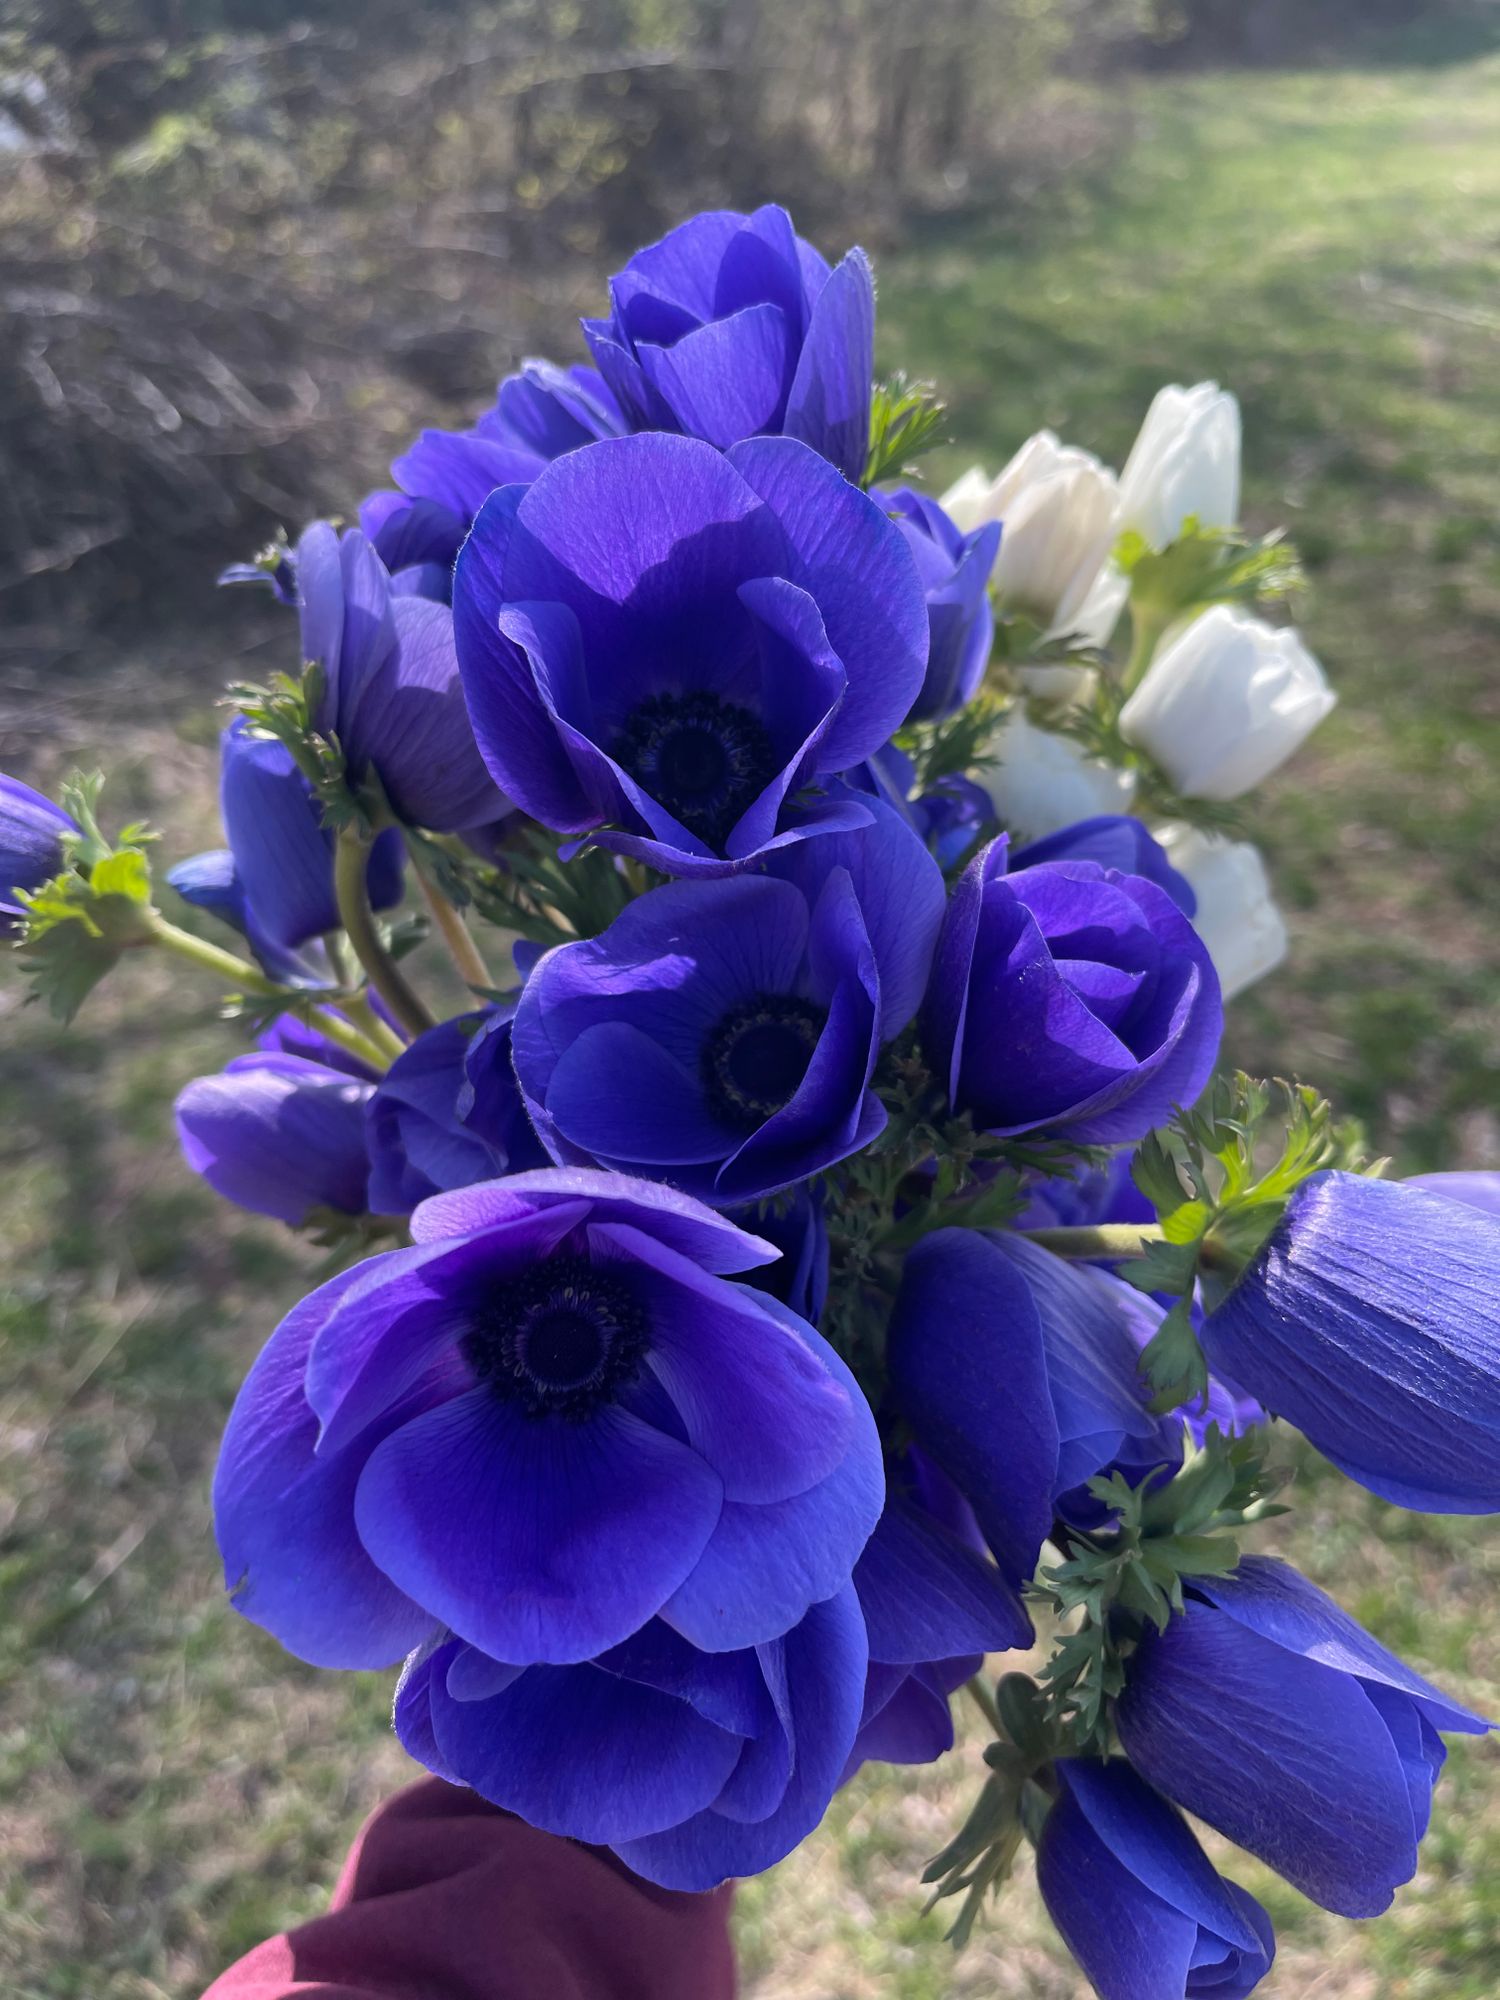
column 247, row 248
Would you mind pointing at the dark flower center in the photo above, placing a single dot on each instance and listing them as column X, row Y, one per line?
column 758, row 1055
column 704, row 759
column 560, row 1340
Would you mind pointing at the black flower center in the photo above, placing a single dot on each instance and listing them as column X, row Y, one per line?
column 704, row 759
column 757, row 1056
column 560, row 1340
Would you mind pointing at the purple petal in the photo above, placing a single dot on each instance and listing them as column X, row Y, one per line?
column 829, row 405
column 536, row 1538
column 285, row 1518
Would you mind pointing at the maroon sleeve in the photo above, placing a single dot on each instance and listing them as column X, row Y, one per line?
column 445, row 1898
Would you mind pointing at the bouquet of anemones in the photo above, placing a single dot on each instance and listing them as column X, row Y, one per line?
column 820, row 1250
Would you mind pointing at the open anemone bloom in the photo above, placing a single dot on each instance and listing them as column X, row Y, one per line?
column 1268, row 1712
column 548, row 1422
column 279, row 1134
column 724, row 1034
column 670, row 649
column 694, row 1766
column 1018, row 1375
column 390, row 689
column 1369, row 1319
column 1070, row 998
column 448, row 1113
column 733, row 327
column 1135, row 1898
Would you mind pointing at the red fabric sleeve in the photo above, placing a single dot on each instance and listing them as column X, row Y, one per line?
column 445, row 1898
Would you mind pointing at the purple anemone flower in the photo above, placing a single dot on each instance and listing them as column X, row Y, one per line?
column 1114, row 840
column 724, row 1034
column 31, row 853
column 1071, row 998
column 1267, row 1711
column 1017, row 1373
column 694, row 1766
column 733, row 327
column 1135, row 1898
column 1369, row 1319
column 955, row 572
column 448, row 1113
column 669, row 649
column 445, row 477
column 550, row 1421
column 275, row 885
column 279, row 1135
column 391, row 692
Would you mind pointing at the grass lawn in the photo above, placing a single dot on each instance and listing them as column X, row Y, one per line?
column 172, row 1787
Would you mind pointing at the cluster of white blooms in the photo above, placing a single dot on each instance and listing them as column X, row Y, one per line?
column 1217, row 703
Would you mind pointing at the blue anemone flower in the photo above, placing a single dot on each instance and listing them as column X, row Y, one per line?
column 955, row 572
column 670, row 650
column 1070, row 998
column 550, row 1421
column 1018, row 1374
column 31, row 830
column 1135, row 1898
column 275, row 883
column 725, row 1033
column 278, row 1134
column 448, row 1113
column 390, row 687
column 1370, row 1320
column 694, row 1766
column 1267, row 1711
column 733, row 327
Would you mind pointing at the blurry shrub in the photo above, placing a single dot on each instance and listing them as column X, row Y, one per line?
column 237, row 232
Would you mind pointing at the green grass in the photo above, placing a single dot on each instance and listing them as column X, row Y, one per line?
column 174, row 1787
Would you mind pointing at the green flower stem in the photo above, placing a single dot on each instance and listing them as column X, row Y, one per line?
column 351, row 861
column 380, row 1034
column 1104, row 1242
column 462, row 949
column 243, row 977
column 979, row 1694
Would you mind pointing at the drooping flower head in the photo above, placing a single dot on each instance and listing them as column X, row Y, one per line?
column 733, row 327
column 724, row 1034
column 1017, row 1374
column 274, row 883
column 547, row 1423
column 31, row 830
column 1071, row 998
column 280, row 1135
column 1333, row 1744
column 1135, row 1898
column 1369, row 1319
column 669, row 648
